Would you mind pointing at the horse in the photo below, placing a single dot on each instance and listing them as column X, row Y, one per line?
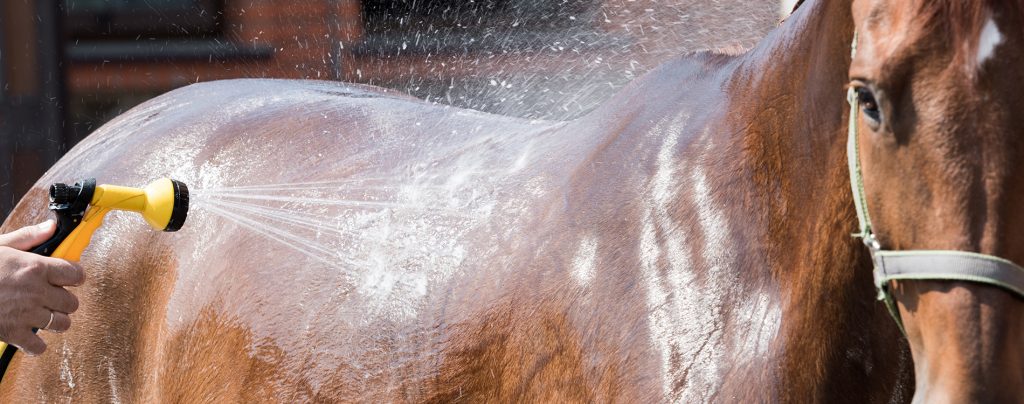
column 688, row 240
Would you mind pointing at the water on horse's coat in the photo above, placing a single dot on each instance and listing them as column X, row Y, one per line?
column 990, row 39
column 671, row 340
column 583, row 263
column 455, row 251
column 65, row 367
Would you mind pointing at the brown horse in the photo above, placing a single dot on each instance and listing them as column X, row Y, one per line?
column 687, row 241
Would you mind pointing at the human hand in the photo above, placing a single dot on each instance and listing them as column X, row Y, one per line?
column 32, row 288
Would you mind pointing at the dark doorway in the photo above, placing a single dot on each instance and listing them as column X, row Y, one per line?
column 132, row 19
column 32, row 95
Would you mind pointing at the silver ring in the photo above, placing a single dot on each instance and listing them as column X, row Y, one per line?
column 49, row 322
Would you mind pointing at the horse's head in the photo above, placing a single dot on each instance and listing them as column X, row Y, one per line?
column 941, row 140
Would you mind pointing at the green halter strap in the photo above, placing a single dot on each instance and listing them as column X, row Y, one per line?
column 918, row 264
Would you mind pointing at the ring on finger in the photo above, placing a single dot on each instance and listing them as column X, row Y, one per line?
column 48, row 323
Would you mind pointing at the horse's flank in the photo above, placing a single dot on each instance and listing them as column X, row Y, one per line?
column 688, row 241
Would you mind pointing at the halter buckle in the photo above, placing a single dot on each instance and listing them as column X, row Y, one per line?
column 871, row 242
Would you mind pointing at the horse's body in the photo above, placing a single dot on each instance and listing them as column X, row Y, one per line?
column 689, row 240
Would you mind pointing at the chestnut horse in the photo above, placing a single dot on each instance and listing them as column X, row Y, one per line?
column 687, row 241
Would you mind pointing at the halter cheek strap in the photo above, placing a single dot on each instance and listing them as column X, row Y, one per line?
column 918, row 264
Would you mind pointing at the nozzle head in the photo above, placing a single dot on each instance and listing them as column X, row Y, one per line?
column 180, row 210
column 164, row 203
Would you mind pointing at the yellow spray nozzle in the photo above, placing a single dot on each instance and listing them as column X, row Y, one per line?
column 163, row 203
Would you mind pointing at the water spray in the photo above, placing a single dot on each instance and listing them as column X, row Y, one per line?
column 80, row 209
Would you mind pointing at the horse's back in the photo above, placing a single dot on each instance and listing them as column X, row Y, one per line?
column 243, row 304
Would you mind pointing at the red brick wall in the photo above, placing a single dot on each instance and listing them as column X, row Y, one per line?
column 296, row 30
column 305, row 36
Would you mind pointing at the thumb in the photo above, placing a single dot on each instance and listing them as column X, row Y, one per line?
column 28, row 237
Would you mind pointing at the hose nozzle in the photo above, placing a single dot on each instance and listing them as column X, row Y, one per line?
column 163, row 203
column 80, row 209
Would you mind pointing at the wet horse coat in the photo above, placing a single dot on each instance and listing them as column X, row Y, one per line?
column 689, row 240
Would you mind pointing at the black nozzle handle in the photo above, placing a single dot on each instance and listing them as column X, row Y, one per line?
column 69, row 202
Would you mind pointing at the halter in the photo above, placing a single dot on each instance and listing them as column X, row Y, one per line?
column 918, row 264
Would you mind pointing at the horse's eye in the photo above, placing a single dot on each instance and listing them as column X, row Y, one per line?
column 868, row 104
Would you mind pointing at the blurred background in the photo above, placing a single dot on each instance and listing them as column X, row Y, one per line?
column 68, row 66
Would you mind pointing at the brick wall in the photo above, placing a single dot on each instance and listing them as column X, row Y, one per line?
column 551, row 77
column 299, row 33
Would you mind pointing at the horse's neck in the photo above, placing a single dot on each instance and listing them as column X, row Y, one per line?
column 790, row 94
column 797, row 78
